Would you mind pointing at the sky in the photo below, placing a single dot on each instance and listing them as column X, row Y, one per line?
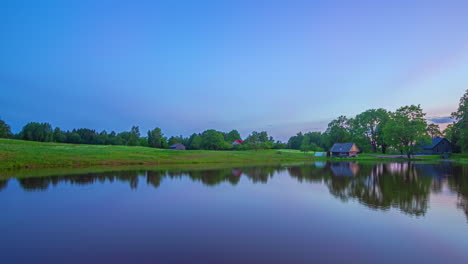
column 188, row 66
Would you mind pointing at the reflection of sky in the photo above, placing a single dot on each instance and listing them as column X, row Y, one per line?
column 283, row 221
column 281, row 67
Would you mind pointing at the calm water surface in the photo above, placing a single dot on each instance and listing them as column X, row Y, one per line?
column 321, row 213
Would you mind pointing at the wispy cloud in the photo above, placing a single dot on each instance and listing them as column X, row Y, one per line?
column 440, row 119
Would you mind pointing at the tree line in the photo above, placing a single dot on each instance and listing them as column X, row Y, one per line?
column 374, row 130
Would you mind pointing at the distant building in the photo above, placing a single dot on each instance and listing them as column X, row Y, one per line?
column 237, row 142
column 177, row 146
column 344, row 150
column 438, row 146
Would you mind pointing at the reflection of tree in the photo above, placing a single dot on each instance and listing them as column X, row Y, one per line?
column 154, row 178
column 379, row 186
column 261, row 174
column 459, row 183
column 3, row 184
column 34, row 184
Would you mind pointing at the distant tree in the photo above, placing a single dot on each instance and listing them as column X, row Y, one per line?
column 338, row 131
column 232, row 136
column 156, row 138
column 143, row 142
column 59, row 135
column 74, row 138
column 295, row 142
column 280, row 145
column 212, row 140
column 175, row 140
column 5, row 130
column 37, row 132
column 195, row 141
column 134, row 136
column 460, row 128
column 406, row 128
column 88, row 136
column 433, row 130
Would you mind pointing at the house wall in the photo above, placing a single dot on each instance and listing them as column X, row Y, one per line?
column 442, row 147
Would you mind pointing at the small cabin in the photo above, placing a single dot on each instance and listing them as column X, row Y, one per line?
column 437, row 146
column 344, row 150
column 177, row 146
column 237, row 142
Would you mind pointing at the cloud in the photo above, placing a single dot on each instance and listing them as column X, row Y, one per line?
column 440, row 119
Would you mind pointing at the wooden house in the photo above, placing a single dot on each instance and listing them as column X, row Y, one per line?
column 177, row 146
column 437, row 146
column 344, row 150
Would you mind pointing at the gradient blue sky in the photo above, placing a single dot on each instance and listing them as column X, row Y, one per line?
column 187, row 66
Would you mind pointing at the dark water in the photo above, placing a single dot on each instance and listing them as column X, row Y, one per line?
column 322, row 213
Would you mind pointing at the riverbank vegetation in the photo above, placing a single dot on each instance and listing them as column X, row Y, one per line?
column 374, row 131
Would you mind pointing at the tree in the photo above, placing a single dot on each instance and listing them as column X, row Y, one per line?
column 195, row 141
column 59, row 135
column 232, row 135
column 433, row 130
column 212, row 140
column 5, row 130
column 156, row 138
column 452, row 133
column 338, row 131
column 134, row 136
column 295, row 142
column 461, row 125
column 37, row 132
column 368, row 122
column 406, row 128
column 175, row 140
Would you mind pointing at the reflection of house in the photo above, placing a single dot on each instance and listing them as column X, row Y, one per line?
column 237, row 142
column 344, row 169
column 236, row 172
column 344, row 150
column 438, row 146
column 177, row 146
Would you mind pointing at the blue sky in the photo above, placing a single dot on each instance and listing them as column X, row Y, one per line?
column 187, row 66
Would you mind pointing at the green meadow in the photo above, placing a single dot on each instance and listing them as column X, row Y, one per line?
column 16, row 154
column 19, row 154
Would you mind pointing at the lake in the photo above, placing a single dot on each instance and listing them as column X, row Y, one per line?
column 316, row 213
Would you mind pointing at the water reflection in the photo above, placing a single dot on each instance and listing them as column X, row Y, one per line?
column 405, row 186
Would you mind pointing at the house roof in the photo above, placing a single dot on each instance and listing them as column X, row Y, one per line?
column 175, row 145
column 341, row 147
column 435, row 142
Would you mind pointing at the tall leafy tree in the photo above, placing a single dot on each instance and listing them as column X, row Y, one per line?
column 461, row 125
column 195, row 141
column 134, row 136
column 338, row 131
column 232, row 135
column 433, row 130
column 213, row 140
column 5, row 130
column 406, row 128
column 156, row 138
column 59, row 135
column 367, row 123
column 37, row 132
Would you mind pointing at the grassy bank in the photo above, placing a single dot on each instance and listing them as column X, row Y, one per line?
column 16, row 154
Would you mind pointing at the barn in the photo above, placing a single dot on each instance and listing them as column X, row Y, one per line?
column 438, row 146
column 344, row 150
column 177, row 146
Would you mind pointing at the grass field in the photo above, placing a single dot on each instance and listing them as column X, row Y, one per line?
column 18, row 154
column 15, row 154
